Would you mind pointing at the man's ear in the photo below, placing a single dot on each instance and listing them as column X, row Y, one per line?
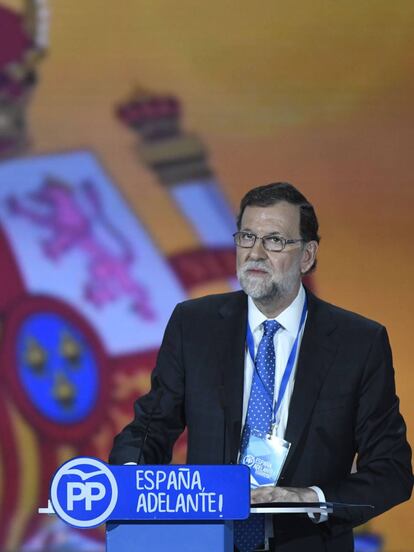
column 308, row 256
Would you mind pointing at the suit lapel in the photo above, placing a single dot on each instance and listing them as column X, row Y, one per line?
column 230, row 339
column 317, row 352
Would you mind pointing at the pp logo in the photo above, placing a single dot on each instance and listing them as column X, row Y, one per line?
column 249, row 460
column 84, row 492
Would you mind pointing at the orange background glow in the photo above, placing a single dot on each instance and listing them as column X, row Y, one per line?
column 318, row 93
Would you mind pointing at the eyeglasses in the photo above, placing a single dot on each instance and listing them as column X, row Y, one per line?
column 271, row 242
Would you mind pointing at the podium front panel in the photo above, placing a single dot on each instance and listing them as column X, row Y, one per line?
column 169, row 537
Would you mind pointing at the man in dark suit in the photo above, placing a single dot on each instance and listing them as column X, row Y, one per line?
column 339, row 403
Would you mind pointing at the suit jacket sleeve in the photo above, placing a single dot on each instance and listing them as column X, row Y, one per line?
column 384, row 476
column 161, row 410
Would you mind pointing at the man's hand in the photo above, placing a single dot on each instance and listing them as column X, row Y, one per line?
column 269, row 493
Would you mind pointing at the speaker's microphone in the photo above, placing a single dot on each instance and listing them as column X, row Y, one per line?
column 223, row 404
column 157, row 400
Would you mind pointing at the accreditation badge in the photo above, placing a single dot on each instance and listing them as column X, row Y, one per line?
column 265, row 456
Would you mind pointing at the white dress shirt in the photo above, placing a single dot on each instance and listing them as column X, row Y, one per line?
column 289, row 319
column 284, row 338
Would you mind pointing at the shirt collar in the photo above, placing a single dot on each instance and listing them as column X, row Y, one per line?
column 289, row 319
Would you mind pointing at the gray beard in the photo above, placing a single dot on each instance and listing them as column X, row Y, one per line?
column 259, row 290
column 265, row 290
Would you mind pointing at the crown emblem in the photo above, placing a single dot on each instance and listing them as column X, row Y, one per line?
column 24, row 43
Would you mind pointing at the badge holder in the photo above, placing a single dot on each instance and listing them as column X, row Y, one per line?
column 265, row 456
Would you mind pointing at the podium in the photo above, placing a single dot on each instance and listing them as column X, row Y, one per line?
column 159, row 508
column 153, row 508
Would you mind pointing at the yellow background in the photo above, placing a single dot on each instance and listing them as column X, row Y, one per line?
column 316, row 92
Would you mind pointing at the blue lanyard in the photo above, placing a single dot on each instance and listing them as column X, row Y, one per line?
column 290, row 363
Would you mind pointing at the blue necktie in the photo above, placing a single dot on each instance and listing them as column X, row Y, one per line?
column 249, row 534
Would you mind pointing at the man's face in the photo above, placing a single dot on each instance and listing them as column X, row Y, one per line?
column 273, row 276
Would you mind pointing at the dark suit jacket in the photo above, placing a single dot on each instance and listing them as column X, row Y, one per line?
column 343, row 404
